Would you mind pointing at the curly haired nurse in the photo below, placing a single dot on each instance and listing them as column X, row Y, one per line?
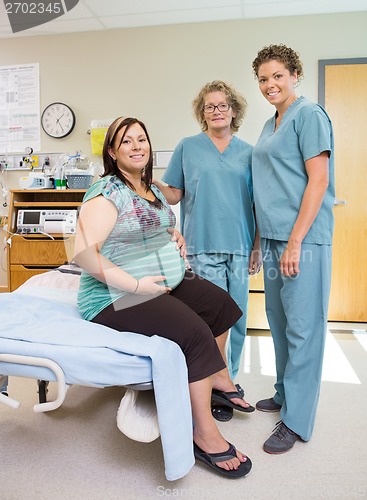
column 293, row 177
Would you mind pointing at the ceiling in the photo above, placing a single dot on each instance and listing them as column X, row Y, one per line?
column 97, row 15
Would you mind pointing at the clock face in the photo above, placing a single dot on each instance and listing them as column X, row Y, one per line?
column 58, row 120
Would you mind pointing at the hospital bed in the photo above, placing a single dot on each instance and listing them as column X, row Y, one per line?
column 44, row 337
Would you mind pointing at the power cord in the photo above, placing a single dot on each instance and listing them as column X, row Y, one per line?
column 20, row 233
column 46, row 234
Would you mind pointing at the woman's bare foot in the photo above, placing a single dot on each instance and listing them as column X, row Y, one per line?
column 211, row 441
column 222, row 382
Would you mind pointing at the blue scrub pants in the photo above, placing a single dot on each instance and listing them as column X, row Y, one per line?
column 229, row 272
column 297, row 308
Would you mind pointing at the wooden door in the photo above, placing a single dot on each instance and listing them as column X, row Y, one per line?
column 343, row 93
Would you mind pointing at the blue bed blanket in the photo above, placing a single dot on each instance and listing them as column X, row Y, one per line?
column 94, row 355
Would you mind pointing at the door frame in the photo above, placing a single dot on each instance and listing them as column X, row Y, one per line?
column 323, row 66
column 333, row 62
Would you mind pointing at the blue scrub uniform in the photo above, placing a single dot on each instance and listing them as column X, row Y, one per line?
column 217, row 219
column 296, row 306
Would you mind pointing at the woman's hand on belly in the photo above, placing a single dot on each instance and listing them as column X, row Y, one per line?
column 150, row 285
column 181, row 242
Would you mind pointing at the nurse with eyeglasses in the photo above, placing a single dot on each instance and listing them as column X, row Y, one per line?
column 210, row 174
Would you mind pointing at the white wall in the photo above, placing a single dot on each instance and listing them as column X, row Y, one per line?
column 154, row 73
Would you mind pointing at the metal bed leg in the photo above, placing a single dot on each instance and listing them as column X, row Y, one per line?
column 42, row 390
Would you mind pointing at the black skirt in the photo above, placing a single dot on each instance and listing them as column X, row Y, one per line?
column 192, row 315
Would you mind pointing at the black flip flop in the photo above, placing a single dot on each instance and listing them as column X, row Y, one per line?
column 224, row 398
column 211, row 459
column 222, row 413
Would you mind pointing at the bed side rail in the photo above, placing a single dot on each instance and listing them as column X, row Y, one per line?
column 43, row 362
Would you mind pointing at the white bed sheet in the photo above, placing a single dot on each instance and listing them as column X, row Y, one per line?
column 44, row 322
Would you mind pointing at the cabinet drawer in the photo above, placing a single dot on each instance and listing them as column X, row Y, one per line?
column 256, row 316
column 40, row 252
column 20, row 274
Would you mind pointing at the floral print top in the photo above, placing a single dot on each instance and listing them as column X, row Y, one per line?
column 139, row 243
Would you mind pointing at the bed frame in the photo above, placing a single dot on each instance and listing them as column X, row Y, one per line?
column 43, row 337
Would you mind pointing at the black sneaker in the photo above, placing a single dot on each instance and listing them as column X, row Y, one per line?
column 281, row 441
column 268, row 405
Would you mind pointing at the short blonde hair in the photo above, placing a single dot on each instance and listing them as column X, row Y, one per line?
column 234, row 98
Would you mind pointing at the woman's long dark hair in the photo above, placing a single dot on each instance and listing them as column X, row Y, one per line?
column 110, row 165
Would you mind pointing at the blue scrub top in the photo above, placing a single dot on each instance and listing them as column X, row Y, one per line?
column 279, row 173
column 217, row 206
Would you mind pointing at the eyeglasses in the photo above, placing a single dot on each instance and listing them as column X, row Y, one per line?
column 210, row 108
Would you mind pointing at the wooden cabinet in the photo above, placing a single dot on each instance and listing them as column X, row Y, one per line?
column 256, row 316
column 31, row 254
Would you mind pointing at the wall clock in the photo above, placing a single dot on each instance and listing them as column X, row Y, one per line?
column 58, row 120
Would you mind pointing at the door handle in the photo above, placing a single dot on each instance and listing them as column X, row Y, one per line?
column 338, row 202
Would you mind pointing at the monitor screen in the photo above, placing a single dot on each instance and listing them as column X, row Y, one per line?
column 31, row 217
